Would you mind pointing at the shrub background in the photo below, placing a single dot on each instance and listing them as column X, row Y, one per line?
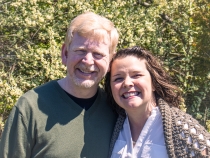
column 32, row 33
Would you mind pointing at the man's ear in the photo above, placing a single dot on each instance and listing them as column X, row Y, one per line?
column 64, row 54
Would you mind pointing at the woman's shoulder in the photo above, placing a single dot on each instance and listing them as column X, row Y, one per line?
column 185, row 130
column 186, row 121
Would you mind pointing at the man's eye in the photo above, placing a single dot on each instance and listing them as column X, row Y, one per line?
column 80, row 51
column 98, row 55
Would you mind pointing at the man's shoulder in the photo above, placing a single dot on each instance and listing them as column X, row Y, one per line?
column 103, row 102
column 32, row 95
column 101, row 90
column 102, row 95
column 46, row 86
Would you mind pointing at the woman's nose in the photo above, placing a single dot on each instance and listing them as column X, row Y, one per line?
column 128, row 82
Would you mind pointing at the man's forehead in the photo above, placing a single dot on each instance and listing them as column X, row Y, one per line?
column 96, row 35
column 90, row 40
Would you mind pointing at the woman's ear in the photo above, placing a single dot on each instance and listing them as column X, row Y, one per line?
column 64, row 54
column 153, row 88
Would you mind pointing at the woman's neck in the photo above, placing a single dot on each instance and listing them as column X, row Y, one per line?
column 138, row 118
column 137, row 123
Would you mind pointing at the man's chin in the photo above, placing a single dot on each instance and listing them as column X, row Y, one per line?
column 86, row 84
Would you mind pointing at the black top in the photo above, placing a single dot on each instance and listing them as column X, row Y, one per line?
column 83, row 103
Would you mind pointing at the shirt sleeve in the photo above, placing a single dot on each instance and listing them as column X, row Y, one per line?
column 16, row 140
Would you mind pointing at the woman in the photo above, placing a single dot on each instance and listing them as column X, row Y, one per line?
column 150, row 123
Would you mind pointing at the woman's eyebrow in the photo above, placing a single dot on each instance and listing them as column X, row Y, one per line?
column 115, row 75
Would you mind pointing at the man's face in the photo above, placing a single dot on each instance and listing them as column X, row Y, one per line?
column 87, row 61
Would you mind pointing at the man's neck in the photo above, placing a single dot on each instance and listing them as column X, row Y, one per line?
column 77, row 91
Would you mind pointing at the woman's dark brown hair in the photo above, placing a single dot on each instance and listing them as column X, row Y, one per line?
column 160, row 79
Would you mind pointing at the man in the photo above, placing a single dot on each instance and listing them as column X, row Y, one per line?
column 68, row 117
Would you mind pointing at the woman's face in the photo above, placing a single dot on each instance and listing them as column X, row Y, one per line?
column 131, row 83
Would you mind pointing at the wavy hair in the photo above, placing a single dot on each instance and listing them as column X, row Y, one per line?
column 160, row 79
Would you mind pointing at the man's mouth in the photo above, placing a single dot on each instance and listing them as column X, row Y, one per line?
column 130, row 94
column 86, row 72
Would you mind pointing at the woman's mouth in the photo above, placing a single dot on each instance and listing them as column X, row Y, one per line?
column 130, row 94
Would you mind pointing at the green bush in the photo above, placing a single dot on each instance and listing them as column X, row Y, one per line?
column 32, row 33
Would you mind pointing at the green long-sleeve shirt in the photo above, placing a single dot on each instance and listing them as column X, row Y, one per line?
column 46, row 123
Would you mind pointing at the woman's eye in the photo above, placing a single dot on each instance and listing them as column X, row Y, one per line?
column 118, row 79
column 137, row 75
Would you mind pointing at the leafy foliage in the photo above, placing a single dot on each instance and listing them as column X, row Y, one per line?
column 32, row 33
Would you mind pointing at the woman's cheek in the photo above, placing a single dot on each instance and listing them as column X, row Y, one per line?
column 116, row 94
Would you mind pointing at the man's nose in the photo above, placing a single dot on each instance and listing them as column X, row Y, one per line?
column 88, row 59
